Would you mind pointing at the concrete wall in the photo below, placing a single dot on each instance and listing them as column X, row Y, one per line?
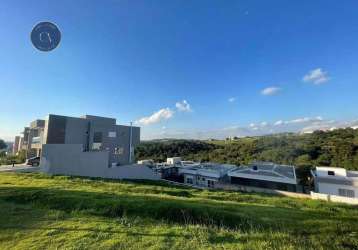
column 73, row 161
column 260, row 190
column 69, row 159
column 76, row 131
column 323, row 171
column 334, row 198
column 332, row 189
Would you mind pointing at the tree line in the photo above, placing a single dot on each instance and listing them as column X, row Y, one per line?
column 337, row 148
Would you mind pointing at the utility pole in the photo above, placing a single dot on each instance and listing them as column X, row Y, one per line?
column 130, row 143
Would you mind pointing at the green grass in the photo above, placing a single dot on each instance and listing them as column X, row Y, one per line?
column 42, row 212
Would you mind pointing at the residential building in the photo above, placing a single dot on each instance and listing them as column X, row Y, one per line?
column 15, row 147
column 91, row 134
column 205, row 174
column 265, row 175
column 336, row 181
column 35, row 138
column 32, row 139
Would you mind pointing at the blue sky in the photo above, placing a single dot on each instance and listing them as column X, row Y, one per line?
column 241, row 66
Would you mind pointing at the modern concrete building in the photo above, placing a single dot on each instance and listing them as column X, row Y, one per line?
column 336, row 181
column 89, row 134
column 84, row 146
column 265, row 175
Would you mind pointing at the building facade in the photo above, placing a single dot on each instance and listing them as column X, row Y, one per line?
column 93, row 134
column 336, row 181
column 31, row 139
column 205, row 174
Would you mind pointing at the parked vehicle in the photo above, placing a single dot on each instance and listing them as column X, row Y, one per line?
column 34, row 161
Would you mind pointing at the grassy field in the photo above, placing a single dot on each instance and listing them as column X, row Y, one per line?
column 42, row 212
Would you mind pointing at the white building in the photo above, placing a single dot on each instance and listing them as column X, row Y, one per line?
column 265, row 175
column 205, row 174
column 173, row 160
column 336, row 181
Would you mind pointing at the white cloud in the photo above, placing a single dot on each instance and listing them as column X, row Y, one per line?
column 308, row 126
column 163, row 114
column 270, row 91
column 231, row 99
column 183, row 106
column 305, row 119
column 316, row 76
column 278, row 123
column 313, row 120
column 264, row 124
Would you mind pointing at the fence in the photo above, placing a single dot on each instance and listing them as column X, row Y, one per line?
column 334, row 198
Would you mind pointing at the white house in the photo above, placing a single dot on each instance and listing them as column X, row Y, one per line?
column 174, row 160
column 265, row 175
column 336, row 181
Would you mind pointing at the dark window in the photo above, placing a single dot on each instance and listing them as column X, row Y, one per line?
column 330, row 172
column 254, row 168
column 97, row 137
column 189, row 180
column 210, row 183
column 346, row 192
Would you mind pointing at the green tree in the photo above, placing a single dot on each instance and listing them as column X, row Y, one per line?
column 3, row 145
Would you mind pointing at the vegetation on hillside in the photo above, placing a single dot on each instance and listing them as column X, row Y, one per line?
column 42, row 212
column 338, row 148
column 160, row 150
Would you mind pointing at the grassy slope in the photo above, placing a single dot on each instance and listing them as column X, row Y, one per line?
column 40, row 212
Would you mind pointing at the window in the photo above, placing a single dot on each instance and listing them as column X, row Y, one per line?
column 97, row 137
column 346, row 192
column 189, row 180
column 96, row 146
column 210, row 183
column 330, row 172
column 118, row 151
column 112, row 134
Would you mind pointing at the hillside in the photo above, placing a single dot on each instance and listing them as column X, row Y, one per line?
column 42, row 212
column 337, row 148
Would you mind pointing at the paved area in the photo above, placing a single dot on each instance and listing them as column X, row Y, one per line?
column 18, row 168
